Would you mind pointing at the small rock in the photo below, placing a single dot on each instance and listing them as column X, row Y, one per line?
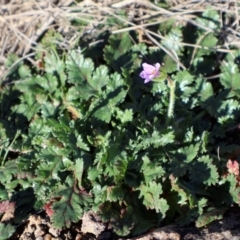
column 54, row 231
column 47, row 237
column 91, row 223
column 78, row 237
column 39, row 238
column 161, row 234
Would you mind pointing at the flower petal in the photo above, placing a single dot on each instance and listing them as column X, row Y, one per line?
column 148, row 68
column 157, row 65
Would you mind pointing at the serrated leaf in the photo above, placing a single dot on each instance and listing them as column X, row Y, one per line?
column 157, row 139
column 79, row 69
column 70, row 208
column 8, row 171
column 93, row 174
column 180, row 192
column 99, row 79
column 114, row 194
column 48, row 109
column 48, row 82
column 73, row 93
column 202, row 203
column 115, row 90
column 81, row 144
column 208, row 100
column 189, row 152
column 203, row 171
column 184, row 79
column 103, row 113
column 169, row 65
column 178, row 168
column 117, row 52
column 173, row 38
column 125, row 116
column 151, row 171
column 151, row 197
column 211, row 215
column 24, row 71
column 28, row 106
column 54, row 65
column 210, row 18
column 79, row 171
column 53, row 161
column 6, row 231
column 208, row 41
column 230, row 78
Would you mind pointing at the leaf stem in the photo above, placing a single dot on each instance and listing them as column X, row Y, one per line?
column 171, row 85
column 9, row 147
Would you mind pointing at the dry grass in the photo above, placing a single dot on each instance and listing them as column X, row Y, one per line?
column 23, row 22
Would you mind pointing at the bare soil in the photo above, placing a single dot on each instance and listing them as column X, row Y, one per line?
column 39, row 227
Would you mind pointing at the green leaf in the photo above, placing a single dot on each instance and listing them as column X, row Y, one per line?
column 99, row 79
column 103, row 113
column 209, row 216
column 202, row 203
column 151, row 197
column 185, row 80
column 208, row 41
column 180, row 192
column 157, row 139
column 115, row 90
column 53, row 161
column 24, row 71
column 28, row 107
column 203, row 171
column 230, row 78
column 190, row 152
column 73, row 93
column 79, row 171
column 48, row 109
column 71, row 206
column 79, row 69
column 169, row 65
column 210, row 18
column 151, row 171
column 233, row 189
column 8, row 171
column 49, row 82
column 54, row 65
column 6, row 231
column 207, row 92
column 208, row 100
column 117, row 52
column 81, row 144
column 174, row 37
column 125, row 116
column 115, row 193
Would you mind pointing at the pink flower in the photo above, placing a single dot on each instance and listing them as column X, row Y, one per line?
column 233, row 167
column 150, row 72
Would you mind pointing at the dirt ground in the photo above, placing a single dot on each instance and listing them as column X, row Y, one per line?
column 38, row 227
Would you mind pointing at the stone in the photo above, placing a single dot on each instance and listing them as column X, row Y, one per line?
column 91, row 223
column 164, row 233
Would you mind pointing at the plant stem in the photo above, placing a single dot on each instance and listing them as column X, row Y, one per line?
column 171, row 85
column 9, row 147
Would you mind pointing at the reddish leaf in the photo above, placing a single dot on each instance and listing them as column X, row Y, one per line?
column 4, row 206
column 8, row 208
column 233, row 167
column 48, row 209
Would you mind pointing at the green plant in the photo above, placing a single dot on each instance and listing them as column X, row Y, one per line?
column 94, row 136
